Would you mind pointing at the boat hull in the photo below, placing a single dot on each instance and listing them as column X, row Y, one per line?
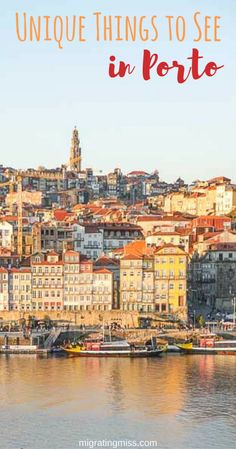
column 189, row 348
column 130, row 354
column 214, row 351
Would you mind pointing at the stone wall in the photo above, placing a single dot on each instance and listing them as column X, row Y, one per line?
column 88, row 318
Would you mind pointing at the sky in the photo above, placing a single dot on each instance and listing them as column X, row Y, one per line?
column 181, row 130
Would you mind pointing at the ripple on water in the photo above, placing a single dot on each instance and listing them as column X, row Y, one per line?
column 182, row 402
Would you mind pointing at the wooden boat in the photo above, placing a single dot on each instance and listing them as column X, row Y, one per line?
column 209, row 345
column 113, row 349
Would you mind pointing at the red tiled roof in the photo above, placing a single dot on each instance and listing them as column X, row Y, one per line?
column 219, row 179
column 137, row 173
column 48, row 263
column 132, row 257
column 61, row 214
column 104, row 260
column 102, row 271
column 70, row 251
column 164, row 233
column 163, row 218
column 170, row 245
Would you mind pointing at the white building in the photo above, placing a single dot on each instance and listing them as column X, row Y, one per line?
column 102, row 289
column 225, row 198
column 4, row 289
column 6, row 235
column 20, row 289
column 88, row 240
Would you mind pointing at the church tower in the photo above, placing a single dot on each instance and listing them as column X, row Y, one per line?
column 75, row 152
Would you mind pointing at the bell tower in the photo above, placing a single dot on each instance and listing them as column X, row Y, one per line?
column 75, row 152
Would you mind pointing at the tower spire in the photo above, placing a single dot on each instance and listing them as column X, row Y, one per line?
column 75, row 152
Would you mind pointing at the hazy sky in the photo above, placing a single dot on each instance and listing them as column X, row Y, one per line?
column 181, row 130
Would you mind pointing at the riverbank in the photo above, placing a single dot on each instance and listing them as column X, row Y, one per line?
column 89, row 317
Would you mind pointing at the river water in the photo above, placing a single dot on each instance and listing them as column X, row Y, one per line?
column 180, row 401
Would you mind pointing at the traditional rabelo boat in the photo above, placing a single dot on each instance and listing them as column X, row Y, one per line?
column 209, row 344
column 120, row 348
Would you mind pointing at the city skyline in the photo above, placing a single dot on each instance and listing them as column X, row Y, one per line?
column 182, row 131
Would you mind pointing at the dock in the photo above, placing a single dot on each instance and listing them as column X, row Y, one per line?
column 23, row 349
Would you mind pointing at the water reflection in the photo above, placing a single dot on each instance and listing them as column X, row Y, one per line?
column 173, row 397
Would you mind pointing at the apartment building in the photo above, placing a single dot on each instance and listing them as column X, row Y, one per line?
column 6, row 235
column 88, row 239
column 160, row 238
column 212, row 277
column 155, row 282
column 20, row 289
column 4, row 289
column 54, row 281
column 78, row 281
column 47, row 281
column 102, row 288
column 225, row 199
column 170, row 265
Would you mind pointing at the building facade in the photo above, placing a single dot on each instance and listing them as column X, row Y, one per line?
column 155, row 283
column 212, row 277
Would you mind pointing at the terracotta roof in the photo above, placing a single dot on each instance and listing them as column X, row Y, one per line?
column 132, row 257
column 20, row 270
column 170, row 245
column 9, row 218
column 48, row 263
column 138, row 248
column 102, row 271
column 70, row 251
column 52, row 253
column 219, row 179
column 210, row 235
column 163, row 218
column 104, row 260
column 118, row 250
column 137, row 173
column 221, row 246
column 164, row 233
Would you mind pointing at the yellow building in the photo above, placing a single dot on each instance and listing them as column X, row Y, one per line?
column 154, row 282
column 175, row 238
column 199, row 201
column 170, row 265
